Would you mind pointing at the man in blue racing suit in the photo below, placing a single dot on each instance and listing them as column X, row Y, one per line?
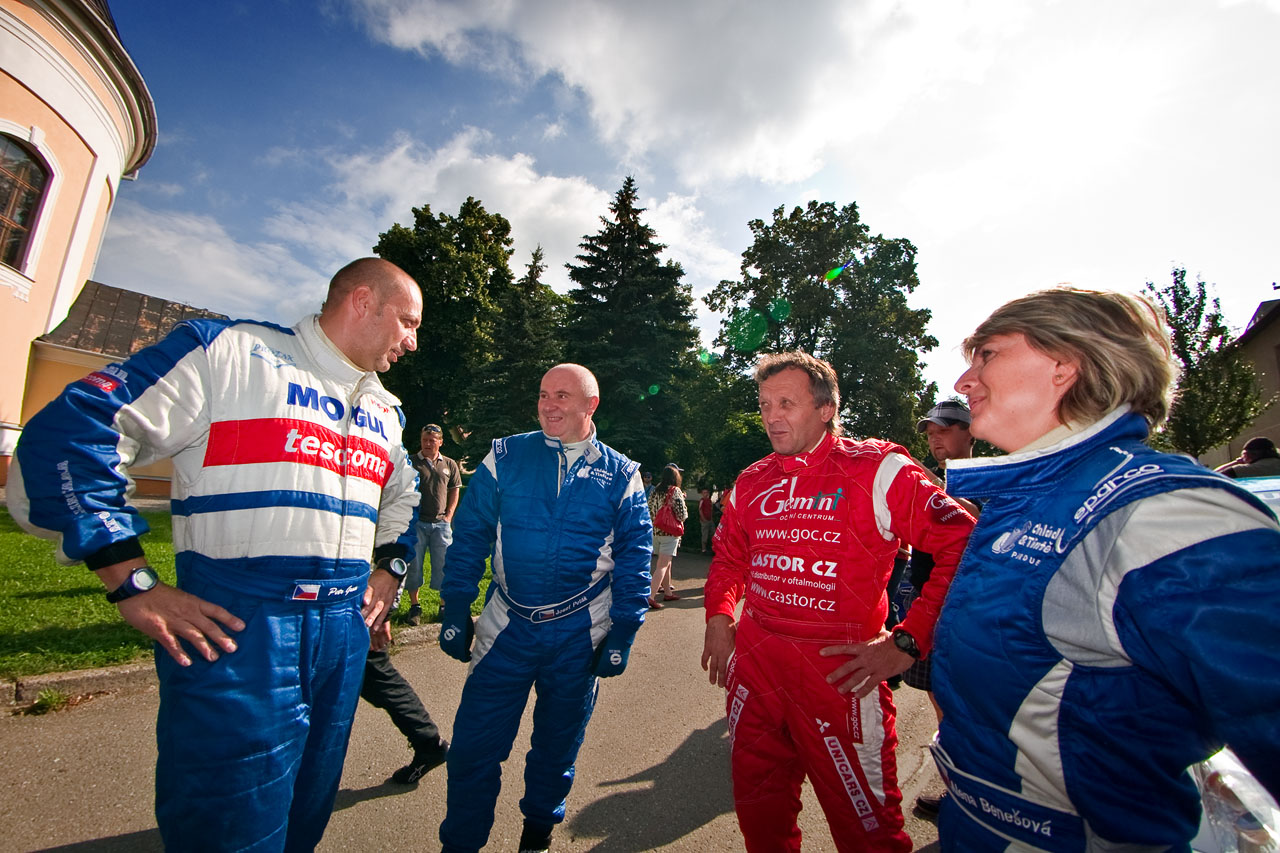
column 563, row 518
column 289, row 473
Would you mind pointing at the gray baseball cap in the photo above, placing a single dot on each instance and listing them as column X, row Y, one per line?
column 946, row 413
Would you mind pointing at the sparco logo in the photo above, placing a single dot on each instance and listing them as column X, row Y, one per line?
column 782, row 498
column 450, row 632
column 1111, row 486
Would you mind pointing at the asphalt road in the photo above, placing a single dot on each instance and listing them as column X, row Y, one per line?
column 652, row 775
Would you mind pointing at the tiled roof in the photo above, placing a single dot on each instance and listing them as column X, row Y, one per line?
column 1267, row 311
column 118, row 323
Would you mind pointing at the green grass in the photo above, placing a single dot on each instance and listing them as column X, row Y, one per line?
column 55, row 618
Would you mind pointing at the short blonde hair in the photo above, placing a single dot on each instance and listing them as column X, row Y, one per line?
column 1119, row 340
column 823, row 383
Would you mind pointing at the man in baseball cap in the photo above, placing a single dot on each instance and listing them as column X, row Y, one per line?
column 945, row 414
column 947, row 427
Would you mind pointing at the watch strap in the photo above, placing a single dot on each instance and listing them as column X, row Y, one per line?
column 394, row 566
column 131, row 586
column 905, row 642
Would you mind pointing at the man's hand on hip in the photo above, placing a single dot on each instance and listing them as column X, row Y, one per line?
column 167, row 614
column 718, row 648
column 869, row 664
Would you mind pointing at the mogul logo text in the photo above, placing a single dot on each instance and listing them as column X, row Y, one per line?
column 782, row 498
column 333, row 408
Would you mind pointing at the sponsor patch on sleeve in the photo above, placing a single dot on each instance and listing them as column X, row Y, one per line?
column 106, row 383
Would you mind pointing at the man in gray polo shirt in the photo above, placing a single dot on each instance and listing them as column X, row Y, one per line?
column 440, row 483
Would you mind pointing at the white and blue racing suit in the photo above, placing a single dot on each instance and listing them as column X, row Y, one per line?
column 288, row 471
column 1113, row 621
column 570, row 549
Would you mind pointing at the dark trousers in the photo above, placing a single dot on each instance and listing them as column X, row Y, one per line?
column 384, row 687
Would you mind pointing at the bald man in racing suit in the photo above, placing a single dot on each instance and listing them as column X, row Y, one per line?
column 808, row 538
column 289, row 475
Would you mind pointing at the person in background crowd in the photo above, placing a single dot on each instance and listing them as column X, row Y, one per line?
column 706, row 510
column 665, row 545
column 808, row 539
column 1258, row 459
column 946, row 426
column 1115, row 615
column 384, row 687
column 439, row 483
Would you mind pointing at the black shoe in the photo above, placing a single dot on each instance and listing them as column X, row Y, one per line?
column 535, row 839
column 424, row 761
column 414, row 616
column 928, row 807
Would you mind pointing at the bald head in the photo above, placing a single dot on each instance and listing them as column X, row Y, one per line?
column 372, row 313
column 383, row 278
column 576, row 373
column 566, row 401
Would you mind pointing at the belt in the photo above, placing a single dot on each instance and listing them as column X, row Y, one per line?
column 551, row 612
column 275, row 587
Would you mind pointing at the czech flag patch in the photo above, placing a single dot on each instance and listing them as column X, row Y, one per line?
column 306, row 592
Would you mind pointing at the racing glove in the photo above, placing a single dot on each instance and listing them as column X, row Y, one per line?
column 457, row 631
column 611, row 656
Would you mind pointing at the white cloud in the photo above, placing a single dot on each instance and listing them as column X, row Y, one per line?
column 192, row 259
column 699, row 248
column 1016, row 144
column 374, row 189
column 720, row 89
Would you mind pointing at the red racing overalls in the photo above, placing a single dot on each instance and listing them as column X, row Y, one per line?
column 809, row 542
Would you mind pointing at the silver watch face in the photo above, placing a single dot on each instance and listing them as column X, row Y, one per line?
column 397, row 567
column 144, row 579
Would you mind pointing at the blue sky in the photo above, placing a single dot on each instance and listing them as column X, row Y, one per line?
column 1017, row 143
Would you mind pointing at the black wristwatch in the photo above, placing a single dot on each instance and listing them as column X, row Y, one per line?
column 394, row 566
column 140, row 580
column 906, row 643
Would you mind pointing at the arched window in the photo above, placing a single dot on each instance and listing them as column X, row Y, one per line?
column 23, row 177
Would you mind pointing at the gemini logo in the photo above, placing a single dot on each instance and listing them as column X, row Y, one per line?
column 782, row 498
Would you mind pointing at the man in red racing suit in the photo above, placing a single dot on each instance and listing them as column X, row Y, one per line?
column 808, row 538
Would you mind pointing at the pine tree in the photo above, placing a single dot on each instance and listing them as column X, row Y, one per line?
column 461, row 264
column 526, row 344
column 631, row 324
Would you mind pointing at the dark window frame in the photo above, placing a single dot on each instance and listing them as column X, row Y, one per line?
column 25, row 177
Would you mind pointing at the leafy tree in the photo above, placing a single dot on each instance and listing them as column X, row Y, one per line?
column 631, row 324
column 526, row 345
column 816, row 279
column 461, row 264
column 723, row 425
column 1218, row 393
